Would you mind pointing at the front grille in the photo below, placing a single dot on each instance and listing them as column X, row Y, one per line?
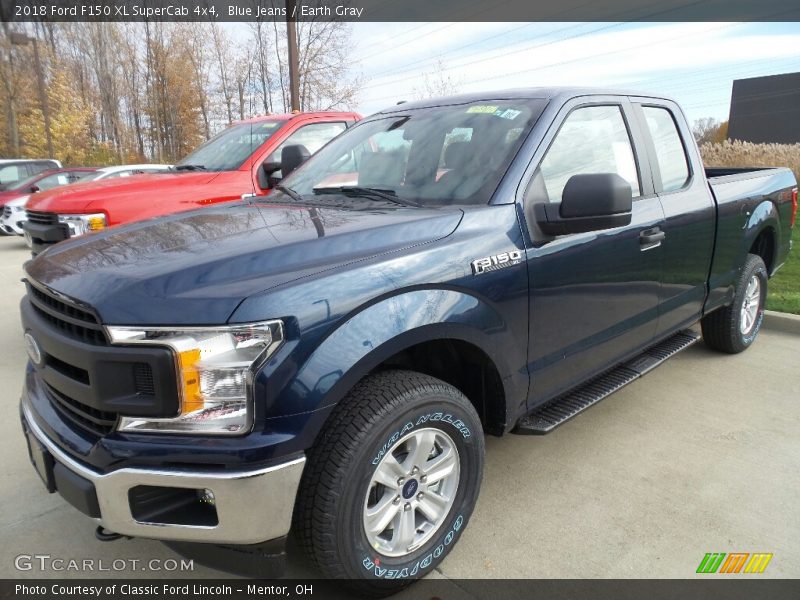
column 68, row 370
column 71, row 320
column 42, row 218
column 6, row 211
column 86, row 381
column 98, row 421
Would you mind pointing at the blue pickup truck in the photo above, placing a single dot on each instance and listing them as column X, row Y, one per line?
column 324, row 362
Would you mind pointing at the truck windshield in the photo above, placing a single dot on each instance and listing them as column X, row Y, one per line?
column 432, row 156
column 228, row 150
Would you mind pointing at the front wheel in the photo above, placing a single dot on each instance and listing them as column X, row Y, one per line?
column 733, row 328
column 391, row 482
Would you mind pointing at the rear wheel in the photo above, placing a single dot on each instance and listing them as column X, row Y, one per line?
column 733, row 328
column 391, row 482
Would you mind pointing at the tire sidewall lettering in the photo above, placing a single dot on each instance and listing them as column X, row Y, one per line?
column 374, row 568
column 434, row 417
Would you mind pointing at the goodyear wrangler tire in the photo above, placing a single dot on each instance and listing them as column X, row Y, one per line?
column 734, row 328
column 391, row 482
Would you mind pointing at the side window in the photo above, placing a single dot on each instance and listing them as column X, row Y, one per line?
column 593, row 139
column 10, row 174
column 670, row 153
column 35, row 168
column 51, row 181
column 313, row 136
column 78, row 175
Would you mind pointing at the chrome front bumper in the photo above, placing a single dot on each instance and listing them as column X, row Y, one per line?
column 252, row 506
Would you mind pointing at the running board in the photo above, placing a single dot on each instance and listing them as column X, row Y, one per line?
column 554, row 413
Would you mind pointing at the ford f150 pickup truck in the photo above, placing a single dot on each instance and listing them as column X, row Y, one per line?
column 238, row 161
column 325, row 361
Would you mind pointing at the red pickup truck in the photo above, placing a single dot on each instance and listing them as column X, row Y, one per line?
column 237, row 162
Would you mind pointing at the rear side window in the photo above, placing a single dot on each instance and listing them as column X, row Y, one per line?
column 670, row 153
column 592, row 140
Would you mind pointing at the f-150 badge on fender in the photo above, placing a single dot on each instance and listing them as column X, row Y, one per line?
column 496, row 261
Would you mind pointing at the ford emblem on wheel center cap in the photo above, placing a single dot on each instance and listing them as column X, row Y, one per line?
column 410, row 488
column 34, row 352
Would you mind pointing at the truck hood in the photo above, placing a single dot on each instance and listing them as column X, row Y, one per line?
column 195, row 268
column 82, row 197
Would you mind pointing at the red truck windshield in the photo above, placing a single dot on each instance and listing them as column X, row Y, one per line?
column 228, row 150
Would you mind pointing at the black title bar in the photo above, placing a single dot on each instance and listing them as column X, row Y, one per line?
column 400, row 10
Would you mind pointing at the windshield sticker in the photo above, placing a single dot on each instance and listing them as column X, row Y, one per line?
column 482, row 109
column 510, row 114
column 269, row 125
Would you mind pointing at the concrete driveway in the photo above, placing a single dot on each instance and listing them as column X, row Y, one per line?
column 701, row 455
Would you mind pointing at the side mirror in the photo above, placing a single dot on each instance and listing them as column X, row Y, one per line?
column 34, row 189
column 292, row 157
column 265, row 174
column 590, row 202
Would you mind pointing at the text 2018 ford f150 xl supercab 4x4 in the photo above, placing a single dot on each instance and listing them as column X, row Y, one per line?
column 325, row 361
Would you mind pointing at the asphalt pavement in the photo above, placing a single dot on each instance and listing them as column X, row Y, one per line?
column 701, row 455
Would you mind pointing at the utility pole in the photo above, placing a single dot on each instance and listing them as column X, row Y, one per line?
column 20, row 39
column 294, row 67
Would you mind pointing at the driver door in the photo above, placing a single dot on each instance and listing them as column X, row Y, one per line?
column 593, row 296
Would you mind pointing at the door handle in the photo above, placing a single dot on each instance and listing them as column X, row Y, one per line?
column 652, row 236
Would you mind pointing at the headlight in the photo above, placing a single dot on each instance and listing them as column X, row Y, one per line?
column 215, row 370
column 81, row 224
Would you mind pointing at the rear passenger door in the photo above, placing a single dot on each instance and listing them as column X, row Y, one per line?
column 690, row 218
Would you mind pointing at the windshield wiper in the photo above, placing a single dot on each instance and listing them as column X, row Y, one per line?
column 367, row 192
column 289, row 192
column 190, row 168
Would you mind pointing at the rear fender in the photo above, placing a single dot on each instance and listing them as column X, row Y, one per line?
column 764, row 216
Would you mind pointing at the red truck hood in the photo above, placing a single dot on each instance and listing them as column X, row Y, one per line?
column 83, row 197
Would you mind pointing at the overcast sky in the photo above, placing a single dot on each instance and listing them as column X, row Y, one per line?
column 694, row 62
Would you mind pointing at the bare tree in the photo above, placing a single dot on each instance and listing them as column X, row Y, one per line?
column 260, row 35
column 324, row 57
column 200, row 60
column 8, row 74
column 437, row 83
column 222, row 50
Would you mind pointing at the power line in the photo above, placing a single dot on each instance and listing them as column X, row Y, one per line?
column 492, row 57
column 491, row 8
column 406, row 68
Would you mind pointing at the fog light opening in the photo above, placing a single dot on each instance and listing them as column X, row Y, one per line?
column 193, row 507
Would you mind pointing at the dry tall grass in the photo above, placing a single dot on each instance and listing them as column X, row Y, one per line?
column 745, row 154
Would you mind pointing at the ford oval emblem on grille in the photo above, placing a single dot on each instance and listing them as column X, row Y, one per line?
column 34, row 352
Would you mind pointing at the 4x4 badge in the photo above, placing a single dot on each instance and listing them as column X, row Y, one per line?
column 496, row 261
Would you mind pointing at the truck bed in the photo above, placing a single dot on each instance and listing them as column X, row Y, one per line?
column 736, row 173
